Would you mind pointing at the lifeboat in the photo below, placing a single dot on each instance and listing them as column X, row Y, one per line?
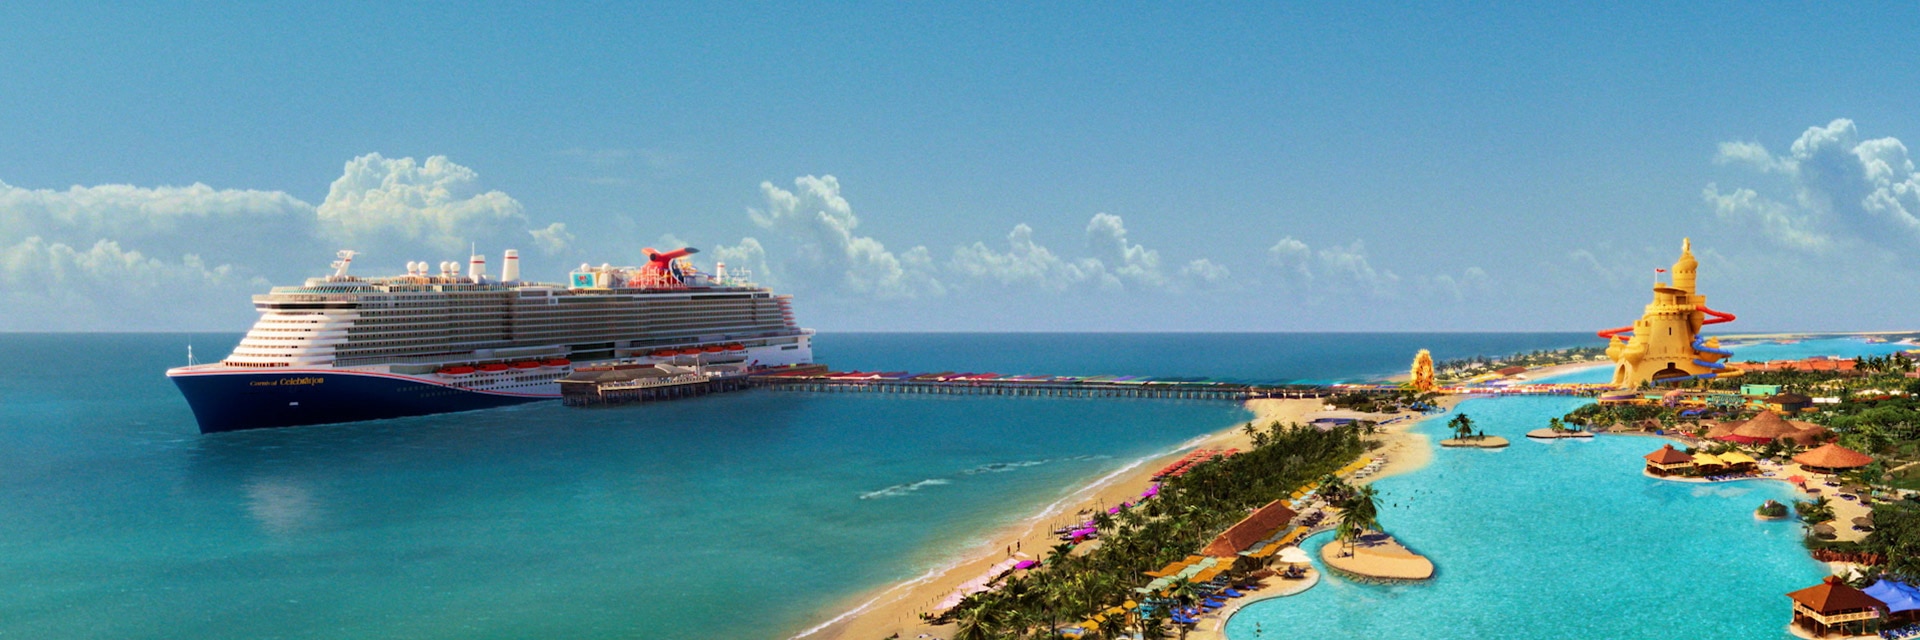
column 736, row 347
column 714, row 348
column 490, row 368
column 456, row 371
column 690, row 352
column 664, row 353
column 556, row 363
column 529, row 364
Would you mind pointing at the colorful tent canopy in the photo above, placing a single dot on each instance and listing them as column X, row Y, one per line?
column 1708, row 460
column 1735, row 457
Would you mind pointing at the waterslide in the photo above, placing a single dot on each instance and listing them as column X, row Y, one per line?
column 1699, row 346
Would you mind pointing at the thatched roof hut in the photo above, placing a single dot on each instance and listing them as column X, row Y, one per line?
column 1830, row 458
column 1768, row 427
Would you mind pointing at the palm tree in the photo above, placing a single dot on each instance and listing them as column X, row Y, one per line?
column 979, row 623
column 1361, row 508
column 1346, row 533
column 1556, row 425
column 1112, row 627
column 1333, row 488
column 1462, row 426
column 1058, row 553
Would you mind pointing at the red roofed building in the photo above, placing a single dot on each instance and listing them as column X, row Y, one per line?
column 1668, row 461
column 1832, row 606
column 1257, row 526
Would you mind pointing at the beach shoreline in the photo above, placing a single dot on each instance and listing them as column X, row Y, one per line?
column 895, row 608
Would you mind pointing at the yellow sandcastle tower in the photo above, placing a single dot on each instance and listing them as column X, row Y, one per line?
column 1421, row 379
column 1665, row 345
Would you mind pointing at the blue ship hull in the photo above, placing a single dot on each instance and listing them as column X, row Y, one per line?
column 232, row 402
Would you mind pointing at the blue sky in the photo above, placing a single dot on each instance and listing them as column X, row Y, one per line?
column 994, row 167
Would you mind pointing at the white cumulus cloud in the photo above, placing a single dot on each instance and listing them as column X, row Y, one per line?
column 817, row 227
column 1126, row 261
column 1024, row 263
column 104, row 287
column 1829, row 184
column 553, row 239
column 1347, row 270
column 403, row 203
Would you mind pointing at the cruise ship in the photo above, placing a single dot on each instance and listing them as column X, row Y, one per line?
column 342, row 348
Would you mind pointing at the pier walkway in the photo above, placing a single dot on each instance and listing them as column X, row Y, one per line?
column 818, row 380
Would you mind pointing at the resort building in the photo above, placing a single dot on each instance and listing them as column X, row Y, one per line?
column 1815, row 363
column 1834, row 607
column 1668, row 461
column 1263, row 523
column 1788, row 402
column 1832, row 458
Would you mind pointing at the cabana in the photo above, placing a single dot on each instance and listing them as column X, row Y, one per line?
column 1668, row 461
column 1902, row 599
column 1707, row 462
column 1832, row 458
column 1737, row 461
column 1832, row 606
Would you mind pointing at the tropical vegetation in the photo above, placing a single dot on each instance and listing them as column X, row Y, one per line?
column 1189, row 511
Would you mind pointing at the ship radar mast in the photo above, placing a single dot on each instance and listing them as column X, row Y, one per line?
column 346, row 260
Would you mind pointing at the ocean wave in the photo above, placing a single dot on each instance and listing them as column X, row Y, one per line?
column 991, row 467
column 1002, row 467
column 904, row 489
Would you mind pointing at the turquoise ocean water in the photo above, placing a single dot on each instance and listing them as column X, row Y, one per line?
column 1566, row 539
column 744, row 515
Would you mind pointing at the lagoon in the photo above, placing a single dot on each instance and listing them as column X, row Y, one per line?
column 1559, row 539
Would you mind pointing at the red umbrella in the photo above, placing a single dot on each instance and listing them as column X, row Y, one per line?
column 1797, row 479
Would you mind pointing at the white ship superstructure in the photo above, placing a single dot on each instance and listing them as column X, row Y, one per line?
column 445, row 334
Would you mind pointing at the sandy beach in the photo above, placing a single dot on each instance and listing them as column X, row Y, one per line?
column 897, row 608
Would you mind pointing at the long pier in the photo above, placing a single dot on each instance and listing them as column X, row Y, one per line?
column 817, row 379
column 1033, row 386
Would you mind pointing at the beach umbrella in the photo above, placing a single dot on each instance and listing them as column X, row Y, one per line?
column 1294, row 555
column 1864, row 521
column 1823, row 529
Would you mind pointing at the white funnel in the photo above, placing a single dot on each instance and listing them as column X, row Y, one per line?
column 510, row 267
